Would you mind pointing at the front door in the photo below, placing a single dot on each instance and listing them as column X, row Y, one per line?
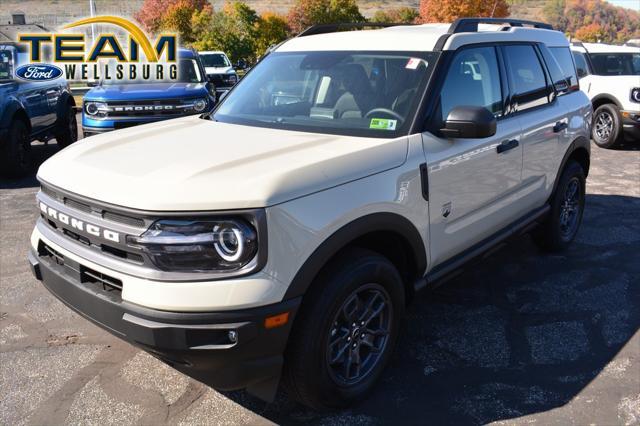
column 471, row 181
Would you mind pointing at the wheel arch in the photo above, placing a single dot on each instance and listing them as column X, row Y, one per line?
column 14, row 110
column 389, row 234
column 602, row 99
column 580, row 151
column 65, row 101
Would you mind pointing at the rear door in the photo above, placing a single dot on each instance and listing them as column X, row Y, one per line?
column 542, row 117
column 471, row 181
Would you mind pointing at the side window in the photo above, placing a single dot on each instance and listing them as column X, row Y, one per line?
column 472, row 80
column 581, row 64
column 527, row 77
column 565, row 60
column 559, row 77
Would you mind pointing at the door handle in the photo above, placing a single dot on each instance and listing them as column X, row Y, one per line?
column 560, row 126
column 507, row 145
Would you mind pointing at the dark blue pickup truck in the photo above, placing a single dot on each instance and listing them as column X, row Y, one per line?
column 112, row 106
column 30, row 111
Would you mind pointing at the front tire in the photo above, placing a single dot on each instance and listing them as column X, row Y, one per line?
column 567, row 206
column 345, row 332
column 15, row 152
column 67, row 129
column 607, row 126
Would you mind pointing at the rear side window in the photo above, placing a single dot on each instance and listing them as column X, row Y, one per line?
column 472, row 80
column 563, row 56
column 527, row 77
column 581, row 64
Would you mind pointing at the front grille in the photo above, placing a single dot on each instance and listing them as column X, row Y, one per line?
column 149, row 108
column 87, row 275
column 45, row 250
column 77, row 205
column 108, row 283
column 128, row 220
column 87, row 208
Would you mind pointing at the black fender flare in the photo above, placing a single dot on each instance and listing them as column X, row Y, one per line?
column 579, row 143
column 63, row 102
column 12, row 106
column 610, row 99
column 375, row 222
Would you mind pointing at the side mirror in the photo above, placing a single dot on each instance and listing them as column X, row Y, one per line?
column 222, row 95
column 469, row 122
column 581, row 72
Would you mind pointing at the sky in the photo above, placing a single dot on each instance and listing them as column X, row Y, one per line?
column 631, row 4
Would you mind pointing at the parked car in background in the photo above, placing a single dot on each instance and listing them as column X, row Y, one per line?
column 117, row 105
column 610, row 76
column 219, row 70
column 29, row 111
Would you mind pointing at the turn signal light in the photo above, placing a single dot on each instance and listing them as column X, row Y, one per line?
column 276, row 320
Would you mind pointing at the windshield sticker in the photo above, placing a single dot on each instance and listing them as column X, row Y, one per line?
column 382, row 124
column 413, row 63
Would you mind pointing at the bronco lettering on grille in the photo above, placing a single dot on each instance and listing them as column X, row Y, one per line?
column 89, row 228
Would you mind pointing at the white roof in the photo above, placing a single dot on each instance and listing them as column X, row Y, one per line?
column 205, row 52
column 418, row 38
column 605, row 48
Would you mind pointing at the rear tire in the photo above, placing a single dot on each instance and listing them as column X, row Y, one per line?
column 607, row 126
column 567, row 206
column 15, row 152
column 338, row 348
column 67, row 128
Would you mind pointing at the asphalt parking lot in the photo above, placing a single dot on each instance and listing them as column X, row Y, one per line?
column 520, row 338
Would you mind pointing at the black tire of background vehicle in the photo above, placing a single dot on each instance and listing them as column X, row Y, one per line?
column 15, row 152
column 607, row 115
column 306, row 375
column 67, row 128
column 549, row 235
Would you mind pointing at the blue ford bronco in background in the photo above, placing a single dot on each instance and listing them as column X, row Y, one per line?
column 116, row 105
column 30, row 110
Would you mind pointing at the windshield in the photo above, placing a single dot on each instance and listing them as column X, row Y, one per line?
column 216, row 60
column 352, row 93
column 616, row 63
column 6, row 63
column 188, row 72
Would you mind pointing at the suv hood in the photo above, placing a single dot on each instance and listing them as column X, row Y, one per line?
column 146, row 91
column 218, row 70
column 195, row 164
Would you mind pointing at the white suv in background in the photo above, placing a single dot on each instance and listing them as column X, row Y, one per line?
column 284, row 233
column 610, row 76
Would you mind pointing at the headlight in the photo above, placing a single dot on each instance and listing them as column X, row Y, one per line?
column 95, row 109
column 200, row 105
column 222, row 245
column 635, row 94
column 231, row 78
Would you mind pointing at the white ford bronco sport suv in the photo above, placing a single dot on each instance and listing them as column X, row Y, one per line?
column 283, row 234
column 610, row 76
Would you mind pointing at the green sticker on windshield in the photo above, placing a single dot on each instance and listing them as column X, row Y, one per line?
column 382, row 124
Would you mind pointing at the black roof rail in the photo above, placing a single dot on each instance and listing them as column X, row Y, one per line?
column 470, row 25
column 332, row 28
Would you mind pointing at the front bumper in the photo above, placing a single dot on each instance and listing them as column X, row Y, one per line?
column 631, row 125
column 226, row 350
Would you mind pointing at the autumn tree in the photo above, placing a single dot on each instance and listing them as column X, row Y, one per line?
column 271, row 29
column 593, row 19
column 306, row 13
column 405, row 15
column 450, row 10
column 590, row 33
column 172, row 15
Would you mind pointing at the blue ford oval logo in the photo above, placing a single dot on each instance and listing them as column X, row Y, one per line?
column 38, row 72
